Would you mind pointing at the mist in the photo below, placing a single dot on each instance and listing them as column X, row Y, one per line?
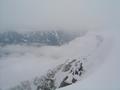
column 58, row 14
column 20, row 62
column 23, row 56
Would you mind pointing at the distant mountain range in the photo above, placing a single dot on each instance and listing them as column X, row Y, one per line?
column 37, row 37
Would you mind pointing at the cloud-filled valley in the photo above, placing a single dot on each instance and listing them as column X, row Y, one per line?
column 23, row 62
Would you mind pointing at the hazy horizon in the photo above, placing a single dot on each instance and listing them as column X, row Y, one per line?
column 58, row 14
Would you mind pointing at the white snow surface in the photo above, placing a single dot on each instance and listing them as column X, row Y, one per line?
column 107, row 76
column 24, row 63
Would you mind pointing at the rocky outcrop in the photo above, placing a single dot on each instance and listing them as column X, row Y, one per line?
column 70, row 73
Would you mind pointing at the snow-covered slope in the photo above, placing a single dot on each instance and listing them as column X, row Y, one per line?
column 68, row 63
column 107, row 77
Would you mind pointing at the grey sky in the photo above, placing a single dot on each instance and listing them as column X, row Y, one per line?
column 51, row 14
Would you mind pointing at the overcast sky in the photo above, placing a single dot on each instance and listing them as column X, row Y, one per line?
column 52, row 14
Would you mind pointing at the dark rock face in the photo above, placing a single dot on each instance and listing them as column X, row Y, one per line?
column 49, row 85
column 74, row 68
column 68, row 66
column 74, row 80
column 63, row 84
column 45, row 82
